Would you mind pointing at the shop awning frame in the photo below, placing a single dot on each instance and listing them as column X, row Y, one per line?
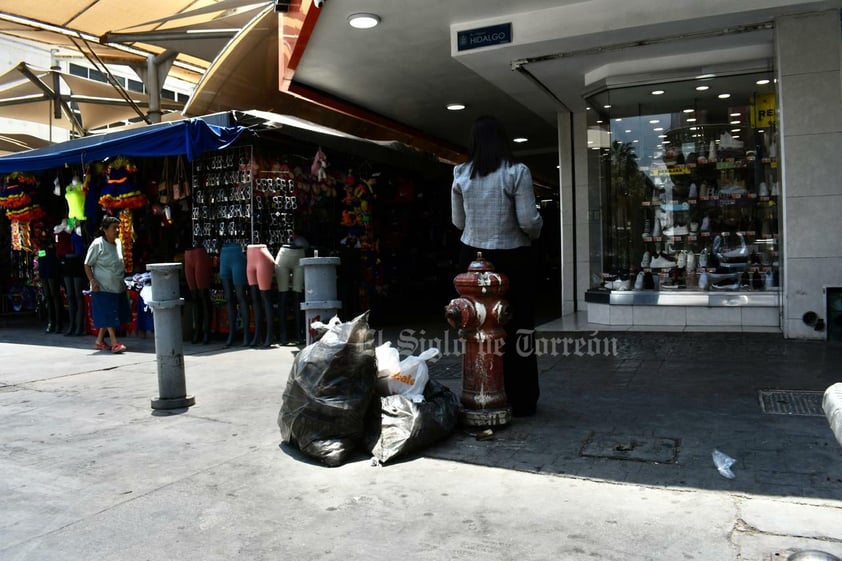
column 190, row 137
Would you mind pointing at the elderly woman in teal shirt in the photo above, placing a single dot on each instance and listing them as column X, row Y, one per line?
column 105, row 270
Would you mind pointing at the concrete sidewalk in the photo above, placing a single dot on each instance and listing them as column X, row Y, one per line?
column 616, row 465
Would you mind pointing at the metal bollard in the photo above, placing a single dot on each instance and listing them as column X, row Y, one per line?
column 166, row 313
column 320, row 303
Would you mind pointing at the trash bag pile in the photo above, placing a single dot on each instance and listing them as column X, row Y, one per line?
column 344, row 396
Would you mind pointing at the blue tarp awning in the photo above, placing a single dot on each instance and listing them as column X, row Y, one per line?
column 191, row 137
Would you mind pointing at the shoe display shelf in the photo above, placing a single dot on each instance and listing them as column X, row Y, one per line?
column 711, row 222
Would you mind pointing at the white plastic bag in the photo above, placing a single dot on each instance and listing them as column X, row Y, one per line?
column 388, row 361
column 723, row 463
column 410, row 379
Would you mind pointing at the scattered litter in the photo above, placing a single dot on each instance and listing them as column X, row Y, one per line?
column 723, row 463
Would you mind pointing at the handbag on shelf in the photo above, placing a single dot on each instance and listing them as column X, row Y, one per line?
column 181, row 183
column 165, row 193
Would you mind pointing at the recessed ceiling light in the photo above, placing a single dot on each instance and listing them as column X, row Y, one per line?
column 520, row 139
column 691, row 119
column 736, row 130
column 705, row 76
column 665, row 142
column 635, row 140
column 628, row 131
column 455, row 106
column 654, row 121
column 363, row 21
column 762, row 82
column 736, row 114
column 662, row 136
column 702, row 88
column 689, row 110
column 724, row 96
column 606, row 106
column 736, row 122
column 658, row 92
column 599, row 122
column 658, row 129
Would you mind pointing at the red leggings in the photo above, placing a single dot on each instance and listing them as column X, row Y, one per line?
column 260, row 266
column 197, row 268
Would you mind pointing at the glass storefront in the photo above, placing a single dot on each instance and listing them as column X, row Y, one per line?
column 689, row 185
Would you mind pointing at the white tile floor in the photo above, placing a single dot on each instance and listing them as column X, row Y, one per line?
column 579, row 322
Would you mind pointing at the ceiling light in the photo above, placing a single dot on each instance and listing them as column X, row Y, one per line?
column 654, row 121
column 606, row 106
column 736, row 122
column 705, row 76
column 520, row 139
column 724, row 96
column 455, row 106
column 665, row 142
column 363, row 21
column 658, row 129
column 762, row 82
column 736, row 114
column 691, row 119
column 702, row 88
column 658, row 92
column 617, row 120
column 736, row 130
column 628, row 131
column 689, row 110
column 635, row 140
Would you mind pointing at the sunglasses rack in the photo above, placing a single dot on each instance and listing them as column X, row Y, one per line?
column 223, row 199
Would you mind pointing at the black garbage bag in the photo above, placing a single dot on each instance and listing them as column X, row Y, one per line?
column 407, row 426
column 330, row 392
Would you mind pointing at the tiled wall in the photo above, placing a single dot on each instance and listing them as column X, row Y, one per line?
column 808, row 50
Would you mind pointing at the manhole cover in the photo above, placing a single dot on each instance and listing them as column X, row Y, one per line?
column 635, row 448
column 791, row 402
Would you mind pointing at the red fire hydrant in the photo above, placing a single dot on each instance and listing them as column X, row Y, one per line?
column 479, row 315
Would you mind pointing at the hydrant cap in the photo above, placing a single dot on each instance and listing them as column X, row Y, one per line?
column 480, row 264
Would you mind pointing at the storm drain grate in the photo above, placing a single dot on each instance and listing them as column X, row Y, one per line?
column 791, row 402
column 634, row 448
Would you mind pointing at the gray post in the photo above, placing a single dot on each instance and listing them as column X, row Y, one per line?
column 166, row 313
column 320, row 301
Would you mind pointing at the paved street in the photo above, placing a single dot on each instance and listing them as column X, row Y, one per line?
column 616, row 465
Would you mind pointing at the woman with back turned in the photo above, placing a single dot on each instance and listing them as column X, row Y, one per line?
column 493, row 203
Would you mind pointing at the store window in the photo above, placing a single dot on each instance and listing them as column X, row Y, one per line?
column 689, row 184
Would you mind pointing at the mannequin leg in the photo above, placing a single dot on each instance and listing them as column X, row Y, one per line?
column 299, row 316
column 269, row 310
column 230, row 307
column 196, row 307
column 52, row 301
column 254, row 291
column 79, row 298
column 282, row 316
column 71, row 304
column 244, row 313
column 207, row 310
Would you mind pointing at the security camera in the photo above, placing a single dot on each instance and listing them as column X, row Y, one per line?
column 319, row 3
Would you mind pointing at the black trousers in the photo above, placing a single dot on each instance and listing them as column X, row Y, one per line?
column 520, row 365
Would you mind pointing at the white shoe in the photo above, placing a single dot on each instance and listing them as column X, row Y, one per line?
column 703, row 258
column 676, row 231
column 769, row 279
column 763, row 189
column 638, row 282
column 694, row 191
column 703, row 281
column 662, row 262
column 706, row 224
column 682, row 259
column 646, row 259
column 657, row 231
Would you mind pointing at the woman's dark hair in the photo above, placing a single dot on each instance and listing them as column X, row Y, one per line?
column 489, row 146
column 108, row 221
